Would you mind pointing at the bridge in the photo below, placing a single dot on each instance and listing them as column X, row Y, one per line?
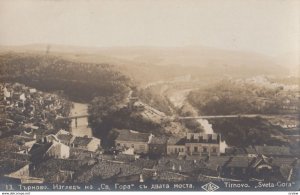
column 72, row 117
column 237, row 116
column 203, row 117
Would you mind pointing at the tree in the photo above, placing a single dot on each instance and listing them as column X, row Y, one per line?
column 104, row 106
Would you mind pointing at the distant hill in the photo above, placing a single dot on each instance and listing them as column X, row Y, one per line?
column 79, row 81
column 149, row 64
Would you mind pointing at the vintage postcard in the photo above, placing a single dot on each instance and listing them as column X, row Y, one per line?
column 142, row 95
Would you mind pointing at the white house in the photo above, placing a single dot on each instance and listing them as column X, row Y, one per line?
column 87, row 143
column 58, row 150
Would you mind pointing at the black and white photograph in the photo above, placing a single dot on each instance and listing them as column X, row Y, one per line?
column 143, row 95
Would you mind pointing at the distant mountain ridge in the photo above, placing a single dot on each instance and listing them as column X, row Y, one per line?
column 147, row 64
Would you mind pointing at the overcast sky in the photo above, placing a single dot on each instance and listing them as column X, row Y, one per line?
column 270, row 27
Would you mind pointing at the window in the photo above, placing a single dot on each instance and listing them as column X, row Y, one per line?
column 188, row 148
column 175, row 150
column 244, row 171
column 214, row 149
column 195, row 149
column 142, row 147
column 231, row 170
column 204, row 149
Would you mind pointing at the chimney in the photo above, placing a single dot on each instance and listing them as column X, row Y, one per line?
column 141, row 178
column 207, row 158
column 270, row 160
column 219, row 170
column 150, row 137
column 295, row 162
column 173, row 167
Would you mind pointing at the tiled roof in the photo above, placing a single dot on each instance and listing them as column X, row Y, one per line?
column 127, row 170
column 273, row 150
column 176, row 141
column 39, row 148
column 213, row 162
column 128, row 135
column 52, row 168
column 235, row 151
column 82, row 141
column 15, row 156
column 107, row 170
column 8, row 144
column 19, row 139
column 171, row 177
column 144, row 163
column 173, row 164
column 158, row 140
column 81, row 154
column 285, row 161
column 285, row 171
column 125, row 157
column 65, row 137
column 250, row 150
column 8, row 166
column 238, row 161
column 202, row 138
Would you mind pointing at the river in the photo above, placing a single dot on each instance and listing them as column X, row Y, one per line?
column 82, row 128
column 178, row 99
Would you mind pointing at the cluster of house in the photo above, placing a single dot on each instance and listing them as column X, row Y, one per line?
column 55, row 145
column 201, row 144
column 34, row 151
column 28, row 132
column 200, row 153
column 63, row 157
column 58, row 145
column 39, row 153
column 27, row 109
column 290, row 100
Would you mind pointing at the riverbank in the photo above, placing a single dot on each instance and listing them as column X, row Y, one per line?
column 82, row 127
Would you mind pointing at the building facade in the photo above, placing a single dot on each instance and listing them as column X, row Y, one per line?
column 195, row 144
column 203, row 144
column 58, row 150
column 133, row 139
column 87, row 143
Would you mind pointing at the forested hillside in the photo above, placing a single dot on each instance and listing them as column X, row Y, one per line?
column 238, row 97
column 79, row 81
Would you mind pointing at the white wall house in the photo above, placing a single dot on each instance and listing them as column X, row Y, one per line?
column 58, row 150
column 87, row 143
